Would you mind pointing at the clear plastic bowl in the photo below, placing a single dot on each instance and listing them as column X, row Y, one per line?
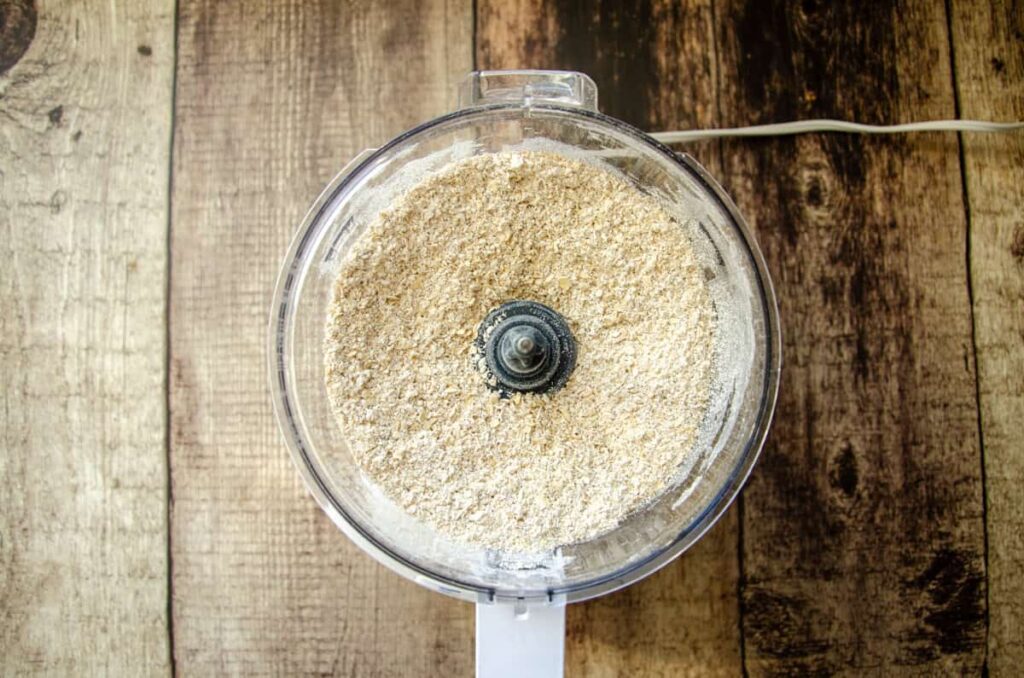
column 501, row 112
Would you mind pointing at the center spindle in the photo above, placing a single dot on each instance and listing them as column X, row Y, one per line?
column 527, row 348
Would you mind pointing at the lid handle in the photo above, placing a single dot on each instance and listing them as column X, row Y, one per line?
column 566, row 88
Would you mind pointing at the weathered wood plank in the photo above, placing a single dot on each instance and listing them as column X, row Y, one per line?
column 988, row 47
column 863, row 538
column 85, row 120
column 654, row 65
column 273, row 98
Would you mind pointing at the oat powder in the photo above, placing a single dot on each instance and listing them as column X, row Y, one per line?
column 530, row 472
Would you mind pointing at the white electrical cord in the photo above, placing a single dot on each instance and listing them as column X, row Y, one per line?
column 807, row 126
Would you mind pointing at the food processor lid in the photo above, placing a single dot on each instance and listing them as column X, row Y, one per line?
column 567, row 99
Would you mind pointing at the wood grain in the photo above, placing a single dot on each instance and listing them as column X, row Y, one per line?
column 273, row 99
column 654, row 65
column 988, row 47
column 863, row 535
column 85, row 123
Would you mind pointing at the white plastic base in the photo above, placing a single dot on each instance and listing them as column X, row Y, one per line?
column 520, row 640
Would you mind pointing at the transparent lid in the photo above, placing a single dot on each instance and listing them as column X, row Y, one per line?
column 507, row 111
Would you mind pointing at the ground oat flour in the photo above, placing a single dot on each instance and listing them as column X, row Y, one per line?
column 531, row 472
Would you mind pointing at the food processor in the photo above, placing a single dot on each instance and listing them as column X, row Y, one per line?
column 520, row 598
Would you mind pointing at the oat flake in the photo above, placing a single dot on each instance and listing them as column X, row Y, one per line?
column 534, row 471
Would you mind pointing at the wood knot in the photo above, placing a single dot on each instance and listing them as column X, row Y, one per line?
column 57, row 201
column 1017, row 244
column 17, row 29
column 816, row 190
column 810, row 7
column 56, row 115
column 951, row 608
column 843, row 476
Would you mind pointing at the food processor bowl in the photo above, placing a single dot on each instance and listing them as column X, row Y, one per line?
column 523, row 111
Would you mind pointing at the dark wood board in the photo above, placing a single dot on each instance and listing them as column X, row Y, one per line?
column 988, row 51
column 652, row 70
column 861, row 534
column 863, row 541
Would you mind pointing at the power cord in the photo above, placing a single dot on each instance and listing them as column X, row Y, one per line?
column 808, row 126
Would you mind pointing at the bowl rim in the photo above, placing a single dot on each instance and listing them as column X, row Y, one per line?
column 279, row 338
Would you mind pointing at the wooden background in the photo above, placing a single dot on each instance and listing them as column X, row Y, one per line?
column 155, row 159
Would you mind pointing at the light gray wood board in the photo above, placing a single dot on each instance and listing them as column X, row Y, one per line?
column 85, row 122
column 273, row 99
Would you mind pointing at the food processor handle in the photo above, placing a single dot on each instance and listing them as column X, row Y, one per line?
column 564, row 88
column 520, row 639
